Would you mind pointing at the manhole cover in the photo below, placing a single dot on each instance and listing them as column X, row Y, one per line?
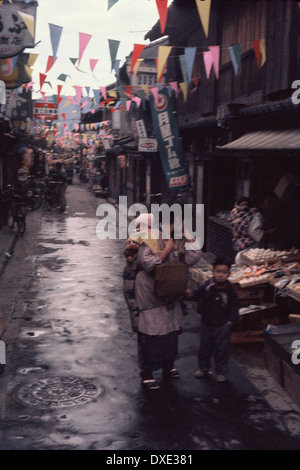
column 58, row 392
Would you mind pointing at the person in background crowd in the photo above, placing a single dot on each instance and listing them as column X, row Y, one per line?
column 264, row 224
column 253, row 227
column 240, row 218
column 219, row 309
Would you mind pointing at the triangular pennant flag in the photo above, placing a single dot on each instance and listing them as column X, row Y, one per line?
column 154, row 92
column 128, row 104
column 117, row 67
column 31, row 59
column 50, row 63
column 93, row 63
column 215, row 52
column 63, row 115
column 67, row 102
column 111, row 3
column 11, row 62
column 62, row 77
column 55, row 33
column 162, row 6
column 78, row 90
column 195, row 81
column 84, row 39
column 44, row 96
column 174, row 86
column 73, row 61
column 236, row 57
column 145, row 88
column 97, row 97
column 190, row 53
column 29, row 22
column 28, row 71
column 204, row 13
column 103, row 91
column 135, row 68
column 163, row 54
column 42, row 80
column 59, row 99
column 113, row 49
column 137, row 50
column 183, row 87
column 183, row 66
column 256, row 47
column 262, row 51
column 208, row 61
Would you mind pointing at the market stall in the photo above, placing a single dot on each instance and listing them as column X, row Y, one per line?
column 263, row 277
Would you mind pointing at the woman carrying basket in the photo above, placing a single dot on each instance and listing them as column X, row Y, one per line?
column 159, row 321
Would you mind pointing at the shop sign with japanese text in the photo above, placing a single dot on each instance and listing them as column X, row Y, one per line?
column 15, row 35
column 169, row 143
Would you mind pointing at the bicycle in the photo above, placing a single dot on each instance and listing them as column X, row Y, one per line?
column 54, row 196
column 16, row 213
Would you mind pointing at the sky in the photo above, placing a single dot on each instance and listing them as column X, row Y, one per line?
column 126, row 21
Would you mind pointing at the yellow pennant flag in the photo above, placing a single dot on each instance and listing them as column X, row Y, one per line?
column 112, row 93
column 67, row 103
column 146, row 90
column 31, row 59
column 204, row 12
column 163, row 54
column 29, row 22
column 137, row 64
column 183, row 87
column 262, row 48
column 28, row 71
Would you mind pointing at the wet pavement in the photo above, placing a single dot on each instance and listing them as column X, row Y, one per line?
column 71, row 380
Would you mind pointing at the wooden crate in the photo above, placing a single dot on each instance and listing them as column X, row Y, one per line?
column 251, row 336
column 258, row 319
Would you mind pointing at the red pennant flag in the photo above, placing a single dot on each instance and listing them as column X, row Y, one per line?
column 137, row 50
column 162, row 6
column 50, row 63
column 63, row 116
column 256, row 47
column 42, row 80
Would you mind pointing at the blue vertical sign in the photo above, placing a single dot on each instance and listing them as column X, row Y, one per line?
column 169, row 143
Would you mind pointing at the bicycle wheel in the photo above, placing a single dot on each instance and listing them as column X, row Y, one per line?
column 21, row 223
column 10, row 219
column 34, row 202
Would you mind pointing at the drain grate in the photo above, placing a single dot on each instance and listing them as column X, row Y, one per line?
column 58, row 392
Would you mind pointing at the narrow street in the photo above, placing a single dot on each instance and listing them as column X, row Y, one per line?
column 71, row 379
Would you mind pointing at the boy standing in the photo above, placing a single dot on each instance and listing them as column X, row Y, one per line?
column 219, row 309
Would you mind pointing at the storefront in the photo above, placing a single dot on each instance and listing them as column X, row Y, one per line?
column 262, row 160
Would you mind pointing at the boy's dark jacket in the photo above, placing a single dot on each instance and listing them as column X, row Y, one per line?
column 218, row 305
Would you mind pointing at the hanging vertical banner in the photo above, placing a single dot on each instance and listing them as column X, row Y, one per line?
column 17, row 28
column 169, row 143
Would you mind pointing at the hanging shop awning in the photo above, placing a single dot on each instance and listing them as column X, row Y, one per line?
column 263, row 141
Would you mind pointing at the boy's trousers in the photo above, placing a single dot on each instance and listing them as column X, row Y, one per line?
column 214, row 342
